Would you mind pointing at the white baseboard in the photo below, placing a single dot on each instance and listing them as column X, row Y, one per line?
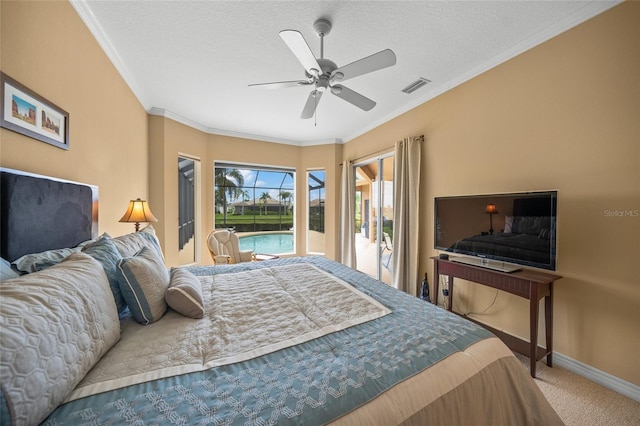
column 614, row 383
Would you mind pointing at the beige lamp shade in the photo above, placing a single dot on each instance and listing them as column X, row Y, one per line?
column 138, row 211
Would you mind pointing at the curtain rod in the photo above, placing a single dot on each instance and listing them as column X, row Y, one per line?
column 421, row 137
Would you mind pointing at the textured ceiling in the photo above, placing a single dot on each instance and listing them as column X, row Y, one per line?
column 193, row 60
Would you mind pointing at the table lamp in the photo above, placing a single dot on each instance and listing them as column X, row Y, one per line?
column 138, row 211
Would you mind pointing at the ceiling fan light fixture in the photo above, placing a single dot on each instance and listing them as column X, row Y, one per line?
column 338, row 76
column 336, row 90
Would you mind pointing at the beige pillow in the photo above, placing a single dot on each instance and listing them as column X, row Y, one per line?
column 128, row 245
column 144, row 280
column 184, row 294
column 56, row 324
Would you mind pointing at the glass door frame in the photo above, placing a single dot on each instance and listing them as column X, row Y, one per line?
column 376, row 206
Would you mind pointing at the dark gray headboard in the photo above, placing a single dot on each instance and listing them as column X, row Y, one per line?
column 41, row 213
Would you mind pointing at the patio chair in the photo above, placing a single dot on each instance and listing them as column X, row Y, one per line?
column 388, row 245
column 224, row 247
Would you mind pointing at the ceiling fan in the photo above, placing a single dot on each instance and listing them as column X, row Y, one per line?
column 323, row 74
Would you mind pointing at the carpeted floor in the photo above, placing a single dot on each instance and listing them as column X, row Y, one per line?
column 581, row 402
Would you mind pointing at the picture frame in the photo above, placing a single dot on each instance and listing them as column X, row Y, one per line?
column 25, row 112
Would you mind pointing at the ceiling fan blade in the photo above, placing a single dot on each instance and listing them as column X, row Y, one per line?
column 300, row 48
column 375, row 62
column 281, row 84
column 352, row 97
column 311, row 105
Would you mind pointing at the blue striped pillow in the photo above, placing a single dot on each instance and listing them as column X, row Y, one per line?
column 143, row 280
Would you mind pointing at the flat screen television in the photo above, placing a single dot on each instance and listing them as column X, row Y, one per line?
column 499, row 231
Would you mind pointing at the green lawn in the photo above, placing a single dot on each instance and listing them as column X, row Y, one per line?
column 247, row 219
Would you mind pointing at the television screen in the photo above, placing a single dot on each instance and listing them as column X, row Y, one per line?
column 518, row 228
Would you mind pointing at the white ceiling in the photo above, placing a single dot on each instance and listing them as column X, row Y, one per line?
column 192, row 61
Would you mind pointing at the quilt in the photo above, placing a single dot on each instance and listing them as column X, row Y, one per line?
column 318, row 381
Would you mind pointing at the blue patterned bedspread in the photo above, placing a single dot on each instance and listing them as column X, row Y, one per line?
column 307, row 384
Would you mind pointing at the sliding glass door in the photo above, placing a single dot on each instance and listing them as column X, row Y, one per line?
column 374, row 217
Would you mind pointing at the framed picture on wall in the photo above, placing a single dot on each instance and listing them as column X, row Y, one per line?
column 28, row 113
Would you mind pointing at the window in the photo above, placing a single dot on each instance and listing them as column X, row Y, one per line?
column 315, row 211
column 258, row 204
column 188, row 171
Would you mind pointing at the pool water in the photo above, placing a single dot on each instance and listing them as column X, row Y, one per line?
column 268, row 243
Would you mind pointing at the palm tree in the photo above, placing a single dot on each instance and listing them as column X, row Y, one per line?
column 285, row 196
column 263, row 200
column 229, row 183
column 290, row 202
column 245, row 198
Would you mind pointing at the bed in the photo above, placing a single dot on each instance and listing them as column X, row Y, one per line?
column 300, row 340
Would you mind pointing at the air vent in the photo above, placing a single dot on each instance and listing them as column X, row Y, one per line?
column 416, row 85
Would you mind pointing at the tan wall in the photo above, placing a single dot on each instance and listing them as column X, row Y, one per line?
column 564, row 115
column 169, row 138
column 41, row 46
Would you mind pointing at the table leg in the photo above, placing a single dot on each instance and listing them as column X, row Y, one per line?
column 548, row 321
column 436, row 283
column 533, row 327
column 450, row 293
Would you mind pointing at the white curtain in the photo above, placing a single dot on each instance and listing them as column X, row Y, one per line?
column 347, row 217
column 406, row 197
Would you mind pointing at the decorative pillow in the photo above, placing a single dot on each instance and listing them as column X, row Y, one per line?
column 184, row 294
column 128, row 245
column 34, row 262
column 6, row 273
column 56, row 324
column 104, row 251
column 143, row 281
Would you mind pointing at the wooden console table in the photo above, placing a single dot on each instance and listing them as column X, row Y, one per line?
column 531, row 285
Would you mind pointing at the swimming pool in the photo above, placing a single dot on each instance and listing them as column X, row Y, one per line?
column 271, row 243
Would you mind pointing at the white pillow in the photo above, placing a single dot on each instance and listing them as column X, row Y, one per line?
column 56, row 324
column 144, row 280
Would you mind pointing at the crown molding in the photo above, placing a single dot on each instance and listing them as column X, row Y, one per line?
column 221, row 132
